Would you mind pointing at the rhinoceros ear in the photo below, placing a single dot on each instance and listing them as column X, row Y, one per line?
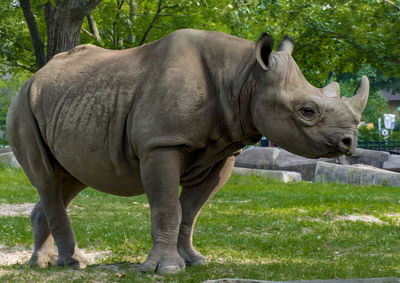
column 332, row 90
column 286, row 45
column 264, row 47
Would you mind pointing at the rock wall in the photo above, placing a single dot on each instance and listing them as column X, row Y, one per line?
column 278, row 159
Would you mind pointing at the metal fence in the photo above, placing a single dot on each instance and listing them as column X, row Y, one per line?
column 389, row 146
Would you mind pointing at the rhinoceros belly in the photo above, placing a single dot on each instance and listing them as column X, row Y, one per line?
column 103, row 172
column 108, row 170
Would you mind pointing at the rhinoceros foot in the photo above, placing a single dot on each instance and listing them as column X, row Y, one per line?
column 77, row 261
column 42, row 259
column 163, row 262
column 192, row 257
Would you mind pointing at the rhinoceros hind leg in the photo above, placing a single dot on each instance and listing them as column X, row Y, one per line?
column 55, row 186
column 51, row 209
column 192, row 200
column 43, row 253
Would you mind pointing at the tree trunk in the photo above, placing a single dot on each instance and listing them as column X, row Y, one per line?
column 63, row 31
column 38, row 46
column 64, row 24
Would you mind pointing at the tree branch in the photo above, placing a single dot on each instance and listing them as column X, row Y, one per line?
column 19, row 65
column 393, row 4
column 169, row 7
column 37, row 42
column 116, row 37
column 174, row 12
column 132, row 9
column 94, row 31
column 82, row 8
column 393, row 60
column 132, row 17
column 151, row 25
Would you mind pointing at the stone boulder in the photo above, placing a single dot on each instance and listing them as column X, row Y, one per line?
column 272, row 158
column 7, row 158
column 355, row 174
column 393, row 163
column 368, row 157
column 5, row 150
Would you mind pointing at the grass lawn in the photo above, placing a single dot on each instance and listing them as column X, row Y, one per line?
column 253, row 228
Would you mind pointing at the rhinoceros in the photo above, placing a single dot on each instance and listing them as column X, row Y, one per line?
column 170, row 113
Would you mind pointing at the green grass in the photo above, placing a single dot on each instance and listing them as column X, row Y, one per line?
column 253, row 228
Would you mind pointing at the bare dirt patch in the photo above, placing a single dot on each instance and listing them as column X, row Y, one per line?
column 21, row 209
column 353, row 218
column 4, row 272
column 362, row 218
column 21, row 255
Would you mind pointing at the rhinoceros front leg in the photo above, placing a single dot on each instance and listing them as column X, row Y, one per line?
column 192, row 200
column 160, row 172
column 50, row 220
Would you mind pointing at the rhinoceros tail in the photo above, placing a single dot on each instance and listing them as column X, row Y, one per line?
column 25, row 138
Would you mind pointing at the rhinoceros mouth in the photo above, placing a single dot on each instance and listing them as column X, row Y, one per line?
column 341, row 144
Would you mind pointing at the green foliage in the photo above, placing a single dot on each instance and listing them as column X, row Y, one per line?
column 329, row 36
column 365, row 134
column 9, row 86
column 15, row 187
column 16, row 52
column 377, row 104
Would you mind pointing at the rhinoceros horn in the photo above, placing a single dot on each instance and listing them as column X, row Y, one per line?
column 358, row 102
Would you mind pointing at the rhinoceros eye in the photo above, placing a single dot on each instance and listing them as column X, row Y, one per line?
column 307, row 112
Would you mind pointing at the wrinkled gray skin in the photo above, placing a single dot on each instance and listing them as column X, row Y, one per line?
column 169, row 113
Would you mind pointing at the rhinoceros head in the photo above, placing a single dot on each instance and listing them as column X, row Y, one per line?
column 305, row 120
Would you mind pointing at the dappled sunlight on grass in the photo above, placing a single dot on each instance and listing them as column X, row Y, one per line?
column 252, row 228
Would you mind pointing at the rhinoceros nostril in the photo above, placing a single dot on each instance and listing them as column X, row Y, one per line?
column 346, row 145
column 347, row 142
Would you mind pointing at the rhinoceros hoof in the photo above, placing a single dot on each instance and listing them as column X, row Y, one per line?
column 77, row 261
column 197, row 261
column 163, row 265
column 192, row 257
column 42, row 259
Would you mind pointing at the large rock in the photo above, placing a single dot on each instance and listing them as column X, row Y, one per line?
column 284, row 176
column 258, row 157
column 5, row 150
column 393, row 163
column 272, row 158
column 355, row 174
column 368, row 157
column 7, row 158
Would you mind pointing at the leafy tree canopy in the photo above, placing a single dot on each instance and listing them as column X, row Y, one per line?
column 331, row 35
column 335, row 39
